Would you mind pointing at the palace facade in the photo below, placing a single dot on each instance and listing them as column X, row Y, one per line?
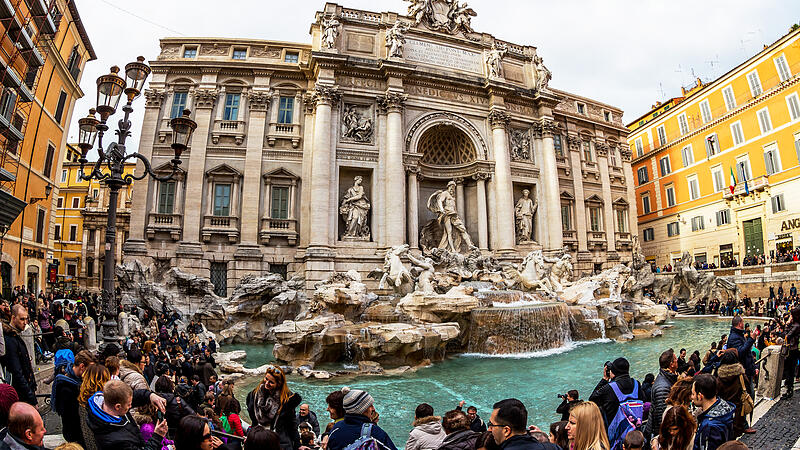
column 310, row 158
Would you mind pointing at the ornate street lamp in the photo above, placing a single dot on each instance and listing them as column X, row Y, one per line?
column 109, row 91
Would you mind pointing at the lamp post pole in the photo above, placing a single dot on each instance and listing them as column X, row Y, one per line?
column 109, row 90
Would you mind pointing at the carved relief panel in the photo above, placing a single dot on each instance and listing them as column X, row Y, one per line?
column 357, row 124
column 520, row 145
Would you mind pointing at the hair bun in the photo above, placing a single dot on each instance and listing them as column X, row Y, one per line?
column 345, row 390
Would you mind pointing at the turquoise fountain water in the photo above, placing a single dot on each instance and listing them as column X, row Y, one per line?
column 535, row 378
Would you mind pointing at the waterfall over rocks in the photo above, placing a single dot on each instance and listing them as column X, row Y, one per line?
column 526, row 329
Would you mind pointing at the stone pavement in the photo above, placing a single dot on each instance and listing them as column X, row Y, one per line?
column 777, row 429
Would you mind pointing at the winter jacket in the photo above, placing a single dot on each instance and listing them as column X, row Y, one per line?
column 744, row 346
column 564, row 408
column 119, row 433
column 460, row 440
column 730, row 389
column 605, row 398
column 312, row 420
column 9, row 442
column 526, row 442
column 66, row 404
column 714, row 426
column 427, row 434
column 177, row 409
column 17, row 365
column 347, row 431
column 130, row 374
column 792, row 335
column 658, row 402
column 285, row 423
column 235, row 423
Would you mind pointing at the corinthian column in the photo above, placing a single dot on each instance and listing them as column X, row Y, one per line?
column 413, row 207
column 483, row 230
column 549, row 176
column 321, row 163
column 608, row 202
column 251, row 187
column 503, row 239
column 394, row 186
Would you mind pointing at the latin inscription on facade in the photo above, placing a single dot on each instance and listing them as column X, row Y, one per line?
column 443, row 56
column 444, row 94
column 362, row 83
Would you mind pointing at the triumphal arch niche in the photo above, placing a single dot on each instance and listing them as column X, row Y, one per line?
column 386, row 129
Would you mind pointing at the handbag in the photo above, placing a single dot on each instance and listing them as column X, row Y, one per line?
column 747, row 401
column 784, row 350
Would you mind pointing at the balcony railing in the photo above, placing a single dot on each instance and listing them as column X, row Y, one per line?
column 597, row 238
column 756, row 184
column 167, row 223
column 228, row 128
column 569, row 235
column 623, row 239
column 284, row 131
column 221, row 225
column 271, row 228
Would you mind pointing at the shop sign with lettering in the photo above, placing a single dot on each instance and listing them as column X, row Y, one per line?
column 790, row 224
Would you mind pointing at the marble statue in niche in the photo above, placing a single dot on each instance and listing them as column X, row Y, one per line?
column 443, row 204
column 523, row 213
column 355, row 212
column 330, row 31
column 494, row 61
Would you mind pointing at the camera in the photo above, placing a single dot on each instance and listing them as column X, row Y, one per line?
column 562, row 396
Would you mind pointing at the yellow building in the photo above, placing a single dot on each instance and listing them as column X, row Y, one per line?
column 746, row 123
column 80, row 222
column 43, row 47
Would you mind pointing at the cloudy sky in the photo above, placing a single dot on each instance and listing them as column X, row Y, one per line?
column 628, row 53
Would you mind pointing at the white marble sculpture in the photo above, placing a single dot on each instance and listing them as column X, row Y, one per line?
column 494, row 61
column 531, row 274
column 524, row 211
column 543, row 74
column 393, row 269
column 356, row 125
column 443, row 204
column 561, row 273
column 424, row 266
column 442, row 15
column 395, row 39
column 355, row 211
column 330, row 31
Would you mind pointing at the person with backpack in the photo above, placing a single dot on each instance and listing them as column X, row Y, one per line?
column 230, row 419
column 621, row 401
column 358, row 430
column 64, row 395
column 16, row 361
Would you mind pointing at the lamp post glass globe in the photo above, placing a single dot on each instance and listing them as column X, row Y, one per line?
column 135, row 75
column 109, row 90
column 182, row 129
column 87, row 132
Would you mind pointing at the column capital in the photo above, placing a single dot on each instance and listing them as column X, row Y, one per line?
column 481, row 176
column 625, row 153
column 391, row 102
column 326, row 95
column 498, row 118
column 459, row 180
column 205, row 98
column 414, row 171
column 574, row 142
column 154, row 97
column 259, row 100
column 549, row 127
column 308, row 103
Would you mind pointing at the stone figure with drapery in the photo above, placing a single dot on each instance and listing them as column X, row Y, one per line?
column 355, row 211
column 524, row 211
column 443, row 204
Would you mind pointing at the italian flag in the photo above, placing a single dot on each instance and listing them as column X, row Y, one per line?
column 733, row 181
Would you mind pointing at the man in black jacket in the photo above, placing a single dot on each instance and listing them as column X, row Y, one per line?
column 306, row 415
column 603, row 395
column 568, row 400
column 743, row 343
column 509, row 426
column 66, row 388
column 113, row 426
column 25, row 429
column 16, row 361
column 667, row 376
column 475, row 422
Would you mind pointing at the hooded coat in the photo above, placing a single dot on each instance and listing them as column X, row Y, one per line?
column 130, row 374
column 730, row 389
column 427, row 434
column 17, row 364
column 119, row 433
column 714, row 426
column 460, row 440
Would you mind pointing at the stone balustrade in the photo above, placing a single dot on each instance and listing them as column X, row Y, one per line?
column 167, row 223
column 271, row 228
column 220, row 225
column 229, row 128
column 284, row 131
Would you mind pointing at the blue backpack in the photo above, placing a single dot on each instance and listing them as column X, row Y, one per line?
column 55, row 402
column 629, row 415
column 63, row 358
column 366, row 441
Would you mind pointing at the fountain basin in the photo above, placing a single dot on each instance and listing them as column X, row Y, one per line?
column 525, row 329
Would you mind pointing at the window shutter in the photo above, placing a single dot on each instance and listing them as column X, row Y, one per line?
column 797, row 147
column 709, row 147
column 768, row 163
column 774, row 205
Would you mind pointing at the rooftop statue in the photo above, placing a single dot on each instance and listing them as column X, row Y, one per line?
column 442, row 15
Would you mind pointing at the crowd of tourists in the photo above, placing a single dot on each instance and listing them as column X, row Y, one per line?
column 777, row 304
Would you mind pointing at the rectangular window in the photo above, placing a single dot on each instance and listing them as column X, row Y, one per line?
column 673, row 229
column 687, row 155
column 166, row 197
column 95, row 193
column 240, row 53
column 736, row 133
column 743, row 171
column 78, row 174
column 291, row 57
column 57, row 233
column 566, row 217
column 222, row 200
column 772, row 160
column 712, row 145
column 73, row 233
column 665, row 166
column 683, row 124
column 662, row 135
column 793, row 102
column 646, row 204
column 612, row 157
column 705, row 111
column 797, row 146
column 190, row 52
column 730, row 99
column 782, row 67
column 231, row 111
column 48, row 160
column 74, row 63
column 755, row 83
column 90, row 267
column 778, row 204
column 723, row 217
column 581, row 108
column 670, row 192
column 219, row 278
column 587, row 151
column 595, row 223
column 72, row 270
column 60, row 202
column 649, row 234
column 639, row 147
column 64, row 175
column 92, row 235
column 286, row 110
column 607, row 116
column 622, row 221
column 7, row 103
column 694, row 188
column 178, row 104
column 718, row 178
column 280, row 202
column 558, row 146
column 40, row 226
column 764, row 121
column 62, row 103
column 698, row 223
column 76, row 202
column 642, row 174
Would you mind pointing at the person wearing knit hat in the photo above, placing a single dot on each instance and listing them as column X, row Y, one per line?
column 360, row 415
column 615, row 374
column 8, row 396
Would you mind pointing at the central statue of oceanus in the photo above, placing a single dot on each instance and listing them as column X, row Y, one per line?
column 443, row 204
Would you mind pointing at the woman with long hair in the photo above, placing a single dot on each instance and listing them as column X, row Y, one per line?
column 195, row 434
column 272, row 405
column 677, row 430
column 681, row 392
column 94, row 377
column 585, row 428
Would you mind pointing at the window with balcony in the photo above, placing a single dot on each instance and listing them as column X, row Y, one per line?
column 622, row 219
column 743, row 171
column 291, row 57
column 587, row 151
column 278, row 221
column 178, row 104
column 736, row 133
column 687, row 156
column 231, row 111
column 190, row 52
column 755, row 83
column 705, row 111
column 764, row 121
column 222, row 199
column 639, row 147
column 665, row 166
column 712, row 145
column 641, row 173
column 280, row 202
column 649, row 234
column 558, row 145
column 772, row 159
column 285, row 110
column 793, row 102
column 595, row 218
column 566, row 216
column 730, row 99
column 646, row 204
column 782, row 67
column 239, row 53
column 166, row 197
column 683, row 124
column 673, row 229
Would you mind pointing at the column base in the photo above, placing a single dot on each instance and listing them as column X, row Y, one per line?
column 249, row 252
column 189, row 250
column 134, row 247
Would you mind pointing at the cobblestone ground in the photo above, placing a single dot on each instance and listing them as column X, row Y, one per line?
column 777, row 429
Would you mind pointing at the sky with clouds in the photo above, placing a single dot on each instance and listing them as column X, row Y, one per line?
column 628, row 53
